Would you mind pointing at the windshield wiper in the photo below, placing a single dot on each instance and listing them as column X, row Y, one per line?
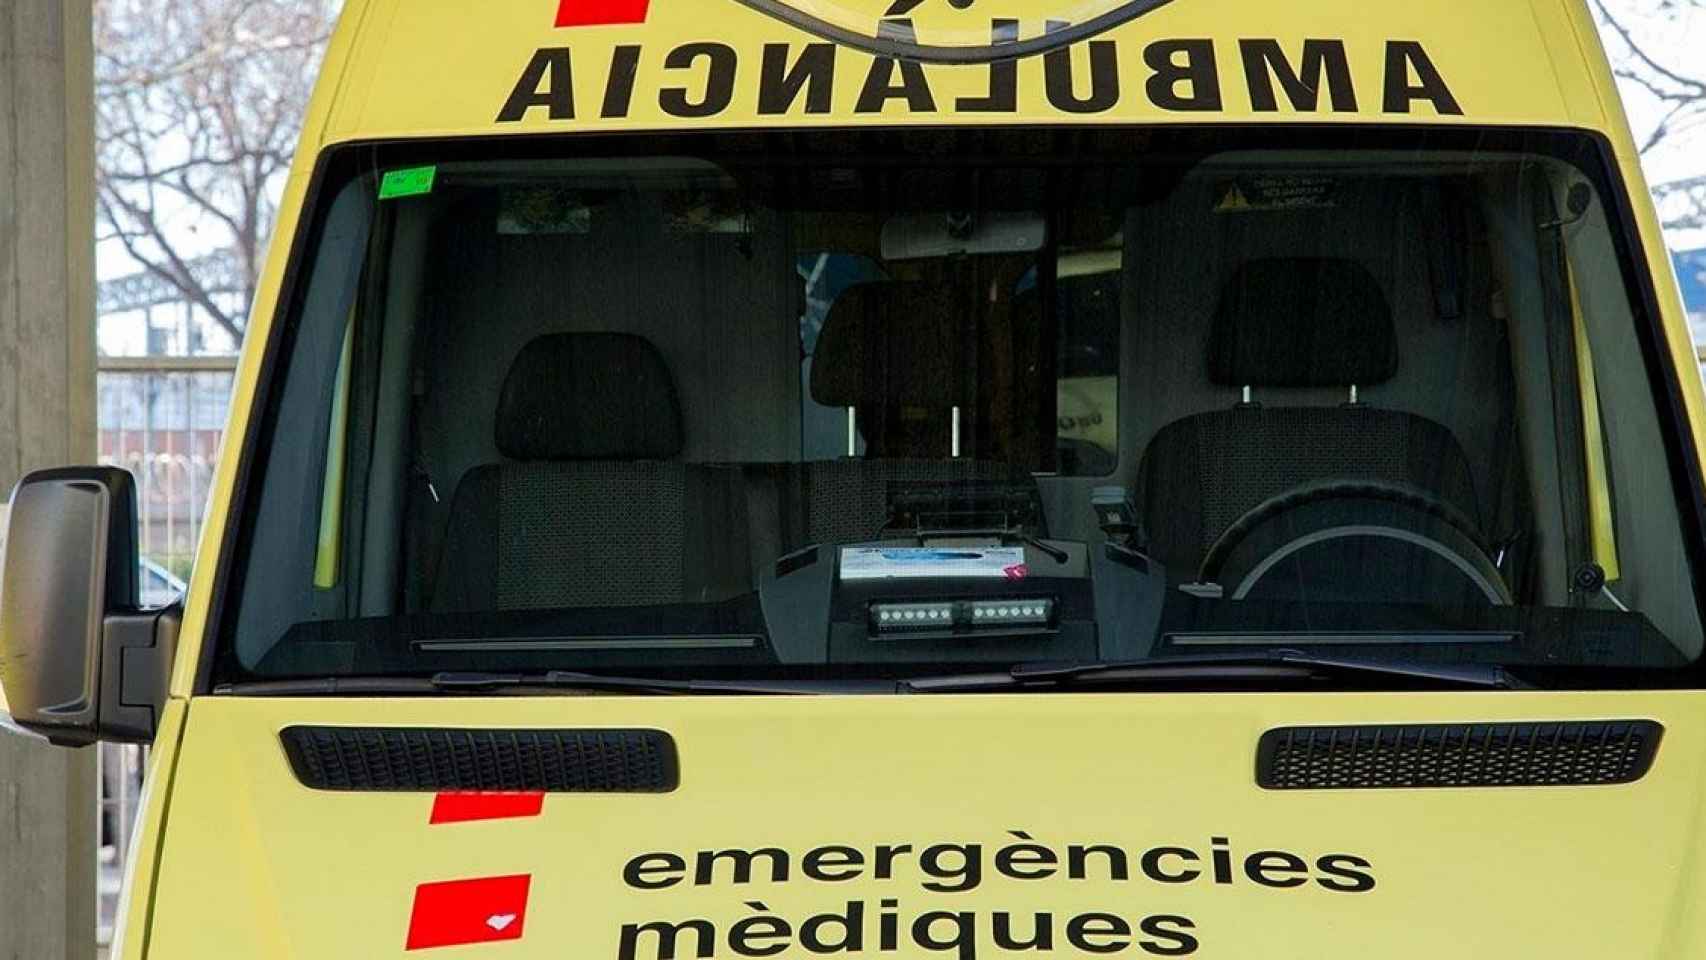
column 551, row 681
column 477, row 682
column 574, row 679
column 1275, row 664
column 1272, row 664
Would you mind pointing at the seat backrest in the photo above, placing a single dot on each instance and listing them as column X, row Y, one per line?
column 1286, row 322
column 1291, row 323
column 589, row 507
column 892, row 351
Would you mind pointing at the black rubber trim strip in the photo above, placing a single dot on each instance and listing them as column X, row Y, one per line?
column 938, row 53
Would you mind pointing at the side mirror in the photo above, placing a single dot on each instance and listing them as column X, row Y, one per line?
column 80, row 661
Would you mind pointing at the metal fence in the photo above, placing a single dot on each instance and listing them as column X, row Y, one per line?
column 162, row 419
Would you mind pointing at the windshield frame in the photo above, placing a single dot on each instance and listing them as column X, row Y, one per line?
column 1590, row 151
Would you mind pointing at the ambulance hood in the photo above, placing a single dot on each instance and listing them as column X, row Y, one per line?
column 947, row 826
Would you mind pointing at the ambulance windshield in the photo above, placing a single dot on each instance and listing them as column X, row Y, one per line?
column 866, row 402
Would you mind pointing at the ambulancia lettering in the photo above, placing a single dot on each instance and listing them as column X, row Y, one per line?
column 1180, row 75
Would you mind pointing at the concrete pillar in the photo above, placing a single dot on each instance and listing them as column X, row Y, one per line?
column 47, row 417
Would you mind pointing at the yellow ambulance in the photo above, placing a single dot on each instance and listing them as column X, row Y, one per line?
column 925, row 478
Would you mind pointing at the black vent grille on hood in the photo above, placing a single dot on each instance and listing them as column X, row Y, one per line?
column 1571, row 753
column 430, row 759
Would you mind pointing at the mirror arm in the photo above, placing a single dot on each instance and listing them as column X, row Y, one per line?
column 137, row 650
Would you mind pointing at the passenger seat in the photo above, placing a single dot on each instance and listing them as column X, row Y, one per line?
column 591, row 508
column 891, row 352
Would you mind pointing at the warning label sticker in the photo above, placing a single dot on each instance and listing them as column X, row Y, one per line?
column 1276, row 192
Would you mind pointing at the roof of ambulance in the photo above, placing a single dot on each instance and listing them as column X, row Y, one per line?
column 431, row 68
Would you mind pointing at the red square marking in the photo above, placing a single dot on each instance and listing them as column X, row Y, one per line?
column 589, row 13
column 482, row 910
column 456, row 807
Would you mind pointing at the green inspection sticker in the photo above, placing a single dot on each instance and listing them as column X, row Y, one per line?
column 408, row 182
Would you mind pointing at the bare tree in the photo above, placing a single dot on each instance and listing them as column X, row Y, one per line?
column 1673, row 75
column 1676, row 80
column 198, row 107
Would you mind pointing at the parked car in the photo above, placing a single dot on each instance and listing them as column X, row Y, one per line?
column 158, row 586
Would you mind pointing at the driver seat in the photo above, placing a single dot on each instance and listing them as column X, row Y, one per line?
column 1286, row 324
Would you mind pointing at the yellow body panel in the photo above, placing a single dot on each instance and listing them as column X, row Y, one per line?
column 135, row 901
column 430, row 68
column 236, row 859
column 424, row 82
column 263, row 867
column 1601, row 524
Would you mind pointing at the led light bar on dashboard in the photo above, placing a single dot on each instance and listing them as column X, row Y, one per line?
column 912, row 616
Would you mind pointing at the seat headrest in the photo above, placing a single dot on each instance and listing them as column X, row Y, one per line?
column 589, row 396
column 1302, row 322
column 891, row 344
